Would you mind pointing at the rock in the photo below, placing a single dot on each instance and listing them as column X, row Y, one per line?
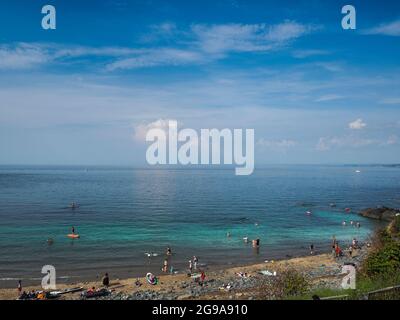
column 184, row 297
column 381, row 213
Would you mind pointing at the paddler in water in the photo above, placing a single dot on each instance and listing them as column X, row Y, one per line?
column 73, row 230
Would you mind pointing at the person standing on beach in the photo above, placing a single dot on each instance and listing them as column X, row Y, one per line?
column 190, row 266
column 195, row 261
column 165, row 266
column 106, row 280
column 312, row 249
column 333, row 245
column 19, row 287
column 202, row 278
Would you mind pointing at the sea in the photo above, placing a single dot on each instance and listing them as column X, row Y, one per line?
column 127, row 217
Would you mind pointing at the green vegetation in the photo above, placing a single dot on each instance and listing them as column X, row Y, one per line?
column 381, row 269
column 384, row 260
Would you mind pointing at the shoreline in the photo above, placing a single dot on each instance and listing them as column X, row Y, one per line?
column 254, row 256
column 320, row 267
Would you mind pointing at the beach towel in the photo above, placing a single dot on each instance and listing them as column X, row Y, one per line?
column 268, row 273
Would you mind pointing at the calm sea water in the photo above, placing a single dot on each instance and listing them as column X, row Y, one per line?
column 125, row 213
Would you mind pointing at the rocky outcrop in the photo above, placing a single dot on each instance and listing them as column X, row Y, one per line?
column 381, row 213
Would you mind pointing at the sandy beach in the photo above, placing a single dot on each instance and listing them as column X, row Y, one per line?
column 321, row 270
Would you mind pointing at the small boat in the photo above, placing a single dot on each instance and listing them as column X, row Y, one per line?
column 73, row 236
column 68, row 290
column 358, row 171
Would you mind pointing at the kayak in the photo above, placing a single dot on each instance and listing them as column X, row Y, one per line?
column 73, row 236
column 68, row 290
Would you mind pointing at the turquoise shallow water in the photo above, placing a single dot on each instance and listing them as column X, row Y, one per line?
column 126, row 212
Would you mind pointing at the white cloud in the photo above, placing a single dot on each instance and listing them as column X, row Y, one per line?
column 230, row 37
column 357, row 124
column 199, row 44
column 157, row 57
column 235, row 37
column 388, row 29
column 330, row 66
column 301, row 54
column 140, row 131
column 288, row 30
column 329, row 97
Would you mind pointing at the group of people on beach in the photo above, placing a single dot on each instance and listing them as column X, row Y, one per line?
column 337, row 251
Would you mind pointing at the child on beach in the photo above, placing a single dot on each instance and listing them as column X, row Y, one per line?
column 165, row 266
column 190, row 266
column 351, row 252
column 202, row 278
column 338, row 251
column 19, row 287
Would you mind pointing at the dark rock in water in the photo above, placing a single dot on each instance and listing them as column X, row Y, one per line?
column 381, row 213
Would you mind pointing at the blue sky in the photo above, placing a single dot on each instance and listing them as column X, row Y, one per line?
column 85, row 92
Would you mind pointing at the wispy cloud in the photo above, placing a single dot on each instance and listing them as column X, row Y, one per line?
column 200, row 43
column 329, row 97
column 349, row 141
column 301, row 54
column 157, row 57
column 391, row 100
column 22, row 56
column 247, row 37
column 280, row 144
column 387, row 29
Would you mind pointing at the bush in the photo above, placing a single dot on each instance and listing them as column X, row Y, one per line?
column 385, row 259
column 291, row 283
